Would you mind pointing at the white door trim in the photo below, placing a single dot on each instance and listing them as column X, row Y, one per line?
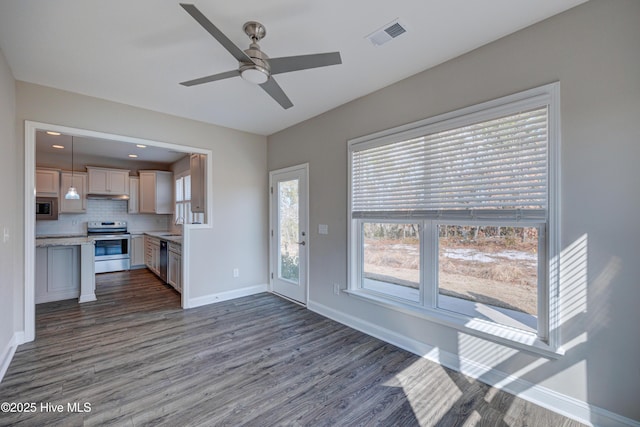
column 30, row 128
column 272, row 261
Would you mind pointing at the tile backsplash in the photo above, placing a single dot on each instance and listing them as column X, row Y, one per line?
column 103, row 210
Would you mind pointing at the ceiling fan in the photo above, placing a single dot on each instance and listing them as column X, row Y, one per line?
column 254, row 65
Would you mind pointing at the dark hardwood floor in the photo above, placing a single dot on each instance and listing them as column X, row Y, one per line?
column 138, row 359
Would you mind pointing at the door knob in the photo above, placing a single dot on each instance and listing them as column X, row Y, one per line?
column 301, row 243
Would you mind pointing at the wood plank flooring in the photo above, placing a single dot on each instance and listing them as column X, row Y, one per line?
column 138, row 359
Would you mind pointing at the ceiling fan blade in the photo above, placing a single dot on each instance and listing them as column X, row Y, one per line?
column 216, row 33
column 303, row 62
column 275, row 91
column 211, row 78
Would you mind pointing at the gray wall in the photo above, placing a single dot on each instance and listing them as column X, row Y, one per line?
column 10, row 260
column 239, row 237
column 594, row 51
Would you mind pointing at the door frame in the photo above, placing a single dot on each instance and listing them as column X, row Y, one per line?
column 273, row 260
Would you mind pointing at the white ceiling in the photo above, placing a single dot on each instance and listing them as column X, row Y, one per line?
column 136, row 52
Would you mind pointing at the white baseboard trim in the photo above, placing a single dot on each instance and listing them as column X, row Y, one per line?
column 87, row 298
column 8, row 351
column 542, row 396
column 226, row 295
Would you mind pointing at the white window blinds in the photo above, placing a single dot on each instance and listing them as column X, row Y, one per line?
column 498, row 164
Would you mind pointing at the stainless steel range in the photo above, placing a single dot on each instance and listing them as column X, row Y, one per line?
column 112, row 245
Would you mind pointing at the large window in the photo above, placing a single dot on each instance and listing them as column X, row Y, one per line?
column 454, row 217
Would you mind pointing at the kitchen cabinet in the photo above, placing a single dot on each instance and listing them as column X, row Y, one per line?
column 47, row 182
column 152, row 254
column 134, row 190
column 156, row 192
column 57, row 273
column 79, row 181
column 137, row 251
column 198, row 165
column 174, row 266
column 108, row 181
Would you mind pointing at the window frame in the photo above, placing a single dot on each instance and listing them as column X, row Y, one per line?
column 190, row 217
column 547, row 340
column 360, row 267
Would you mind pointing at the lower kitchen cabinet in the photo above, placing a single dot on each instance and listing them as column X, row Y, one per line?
column 174, row 266
column 57, row 273
column 137, row 251
column 173, row 260
column 152, row 254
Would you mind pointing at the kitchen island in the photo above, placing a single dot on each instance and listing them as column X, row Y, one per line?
column 65, row 268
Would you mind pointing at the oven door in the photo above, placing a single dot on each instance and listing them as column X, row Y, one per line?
column 112, row 253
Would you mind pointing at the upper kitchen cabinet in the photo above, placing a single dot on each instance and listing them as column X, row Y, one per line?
column 79, row 181
column 134, row 190
column 47, row 182
column 156, row 192
column 198, row 167
column 108, row 181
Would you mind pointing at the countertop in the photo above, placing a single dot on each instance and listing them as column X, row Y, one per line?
column 165, row 235
column 71, row 240
column 82, row 239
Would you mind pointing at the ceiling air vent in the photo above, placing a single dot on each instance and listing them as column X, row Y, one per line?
column 388, row 32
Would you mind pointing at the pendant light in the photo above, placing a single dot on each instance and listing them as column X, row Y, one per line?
column 72, row 193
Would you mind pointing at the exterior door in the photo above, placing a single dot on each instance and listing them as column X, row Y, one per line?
column 289, row 240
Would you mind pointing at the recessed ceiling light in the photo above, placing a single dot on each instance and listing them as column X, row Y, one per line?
column 141, row 146
column 58, row 146
column 133, row 156
column 49, row 132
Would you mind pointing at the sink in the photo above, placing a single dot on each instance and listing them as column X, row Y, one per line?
column 170, row 235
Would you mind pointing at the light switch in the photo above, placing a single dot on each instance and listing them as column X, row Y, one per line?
column 5, row 235
column 323, row 229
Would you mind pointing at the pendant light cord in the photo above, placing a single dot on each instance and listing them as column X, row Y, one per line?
column 72, row 193
column 72, row 160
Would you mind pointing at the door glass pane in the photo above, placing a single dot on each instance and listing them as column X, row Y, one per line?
column 289, row 261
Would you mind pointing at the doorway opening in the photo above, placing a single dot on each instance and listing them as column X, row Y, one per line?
column 31, row 130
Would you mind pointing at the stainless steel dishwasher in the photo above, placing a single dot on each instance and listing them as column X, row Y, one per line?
column 163, row 260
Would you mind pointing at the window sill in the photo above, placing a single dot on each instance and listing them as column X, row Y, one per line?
column 505, row 335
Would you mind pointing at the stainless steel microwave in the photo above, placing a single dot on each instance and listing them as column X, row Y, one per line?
column 46, row 208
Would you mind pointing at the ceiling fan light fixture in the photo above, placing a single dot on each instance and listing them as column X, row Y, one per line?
column 254, row 74
column 254, row 65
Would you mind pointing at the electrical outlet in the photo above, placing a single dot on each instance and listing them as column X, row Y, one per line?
column 5, row 235
column 336, row 288
column 236, row 272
